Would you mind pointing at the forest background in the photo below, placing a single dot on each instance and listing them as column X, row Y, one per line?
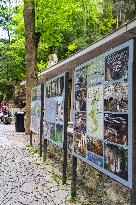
column 65, row 27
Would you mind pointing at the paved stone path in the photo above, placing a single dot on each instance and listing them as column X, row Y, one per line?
column 23, row 181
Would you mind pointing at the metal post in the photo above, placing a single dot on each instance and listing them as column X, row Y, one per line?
column 45, row 150
column 64, row 177
column 31, row 134
column 41, row 119
column 74, row 177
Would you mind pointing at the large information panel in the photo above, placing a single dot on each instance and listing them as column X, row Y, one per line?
column 36, row 109
column 54, row 110
column 103, row 113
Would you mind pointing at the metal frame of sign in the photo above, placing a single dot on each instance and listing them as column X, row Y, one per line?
column 63, row 96
column 37, row 128
column 121, row 180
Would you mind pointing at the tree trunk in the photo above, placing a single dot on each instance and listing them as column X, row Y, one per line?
column 31, row 44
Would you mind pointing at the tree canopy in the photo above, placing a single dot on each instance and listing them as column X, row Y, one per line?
column 65, row 27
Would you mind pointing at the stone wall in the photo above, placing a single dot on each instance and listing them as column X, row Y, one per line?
column 93, row 187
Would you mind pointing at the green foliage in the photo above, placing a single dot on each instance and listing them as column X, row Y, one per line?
column 12, row 68
column 54, row 176
column 32, row 150
column 123, row 11
column 66, row 27
column 11, row 52
column 5, row 17
column 71, row 48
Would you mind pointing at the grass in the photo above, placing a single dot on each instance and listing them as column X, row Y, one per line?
column 32, row 150
column 72, row 200
column 54, row 176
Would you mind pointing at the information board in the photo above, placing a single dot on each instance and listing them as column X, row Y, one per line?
column 36, row 109
column 103, row 113
column 54, row 110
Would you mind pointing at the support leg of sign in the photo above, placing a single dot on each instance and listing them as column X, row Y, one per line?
column 133, row 196
column 40, row 145
column 133, row 191
column 41, row 120
column 45, row 150
column 31, row 134
column 74, row 177
column 64, row 177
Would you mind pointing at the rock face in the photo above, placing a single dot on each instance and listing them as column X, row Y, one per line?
column 52, row 60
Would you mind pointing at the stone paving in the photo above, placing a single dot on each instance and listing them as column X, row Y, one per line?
column 23, row 181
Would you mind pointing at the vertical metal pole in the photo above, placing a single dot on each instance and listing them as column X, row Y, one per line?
column 41, row 119
column 64, row 177
column 31, row 134
column 44, row 143
column 45, row 150
column 133, row 191
column 74, row 177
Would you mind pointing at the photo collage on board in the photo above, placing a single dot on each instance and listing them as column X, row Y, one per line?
column 36, row 109
column 101, row 112
column 116, row 113
column 54, row 110
column 80, row 112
